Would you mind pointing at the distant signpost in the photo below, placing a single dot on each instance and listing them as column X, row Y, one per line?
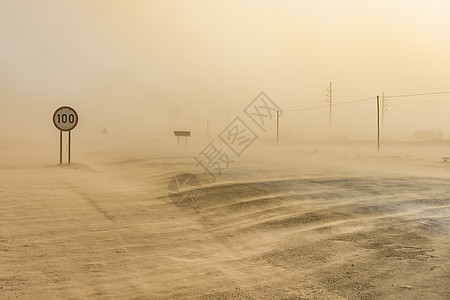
column 182, row 133
column 65, row 118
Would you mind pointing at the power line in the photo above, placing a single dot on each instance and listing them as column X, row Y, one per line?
column 306, row 108
column 416, row 102
column 330, row 105
column 367, row 99
column 360, row 100
column 422, row 89
column 392, row 80
column 334, row 104
column 423, row 94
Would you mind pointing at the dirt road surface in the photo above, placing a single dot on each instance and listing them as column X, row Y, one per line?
column 312, row 225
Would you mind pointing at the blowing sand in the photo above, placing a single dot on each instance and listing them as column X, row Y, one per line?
column 300, row 222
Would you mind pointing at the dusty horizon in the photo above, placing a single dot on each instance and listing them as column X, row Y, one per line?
column 140, row 69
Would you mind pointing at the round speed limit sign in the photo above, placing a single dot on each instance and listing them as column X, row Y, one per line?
column 65, row 118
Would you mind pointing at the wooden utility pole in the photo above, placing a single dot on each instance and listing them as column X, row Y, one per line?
column 278, row 125
column 329, row 100
column 378, row 121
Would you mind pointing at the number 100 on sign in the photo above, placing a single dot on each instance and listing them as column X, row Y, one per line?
column 65, row 118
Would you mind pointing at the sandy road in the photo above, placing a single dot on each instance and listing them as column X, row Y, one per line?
column 106, row 230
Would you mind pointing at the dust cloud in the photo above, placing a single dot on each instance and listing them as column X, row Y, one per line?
column 309, row 208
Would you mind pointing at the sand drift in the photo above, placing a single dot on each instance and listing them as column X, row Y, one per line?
column 107, row 229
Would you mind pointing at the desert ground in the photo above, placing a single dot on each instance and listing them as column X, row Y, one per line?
column 301, row 221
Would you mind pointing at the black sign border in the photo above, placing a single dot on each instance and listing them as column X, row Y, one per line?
column 63, row 107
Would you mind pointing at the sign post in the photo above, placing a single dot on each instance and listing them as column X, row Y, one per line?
column 60, row 147
column 65, row 118
column 182, row 133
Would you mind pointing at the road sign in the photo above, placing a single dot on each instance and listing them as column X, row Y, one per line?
column 182, row 133
column 65, row 118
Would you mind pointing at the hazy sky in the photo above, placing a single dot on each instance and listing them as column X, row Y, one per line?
column 127, row 65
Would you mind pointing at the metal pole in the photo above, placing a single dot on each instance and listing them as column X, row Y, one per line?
column 278, row 125
column 378, row 121
column 382, row 112
column 69, row 145
column 60, row 147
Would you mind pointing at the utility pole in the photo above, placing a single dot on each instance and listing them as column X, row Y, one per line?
column 383, row 109
column 378, row 121
column 278, row 126
column 329, row 100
